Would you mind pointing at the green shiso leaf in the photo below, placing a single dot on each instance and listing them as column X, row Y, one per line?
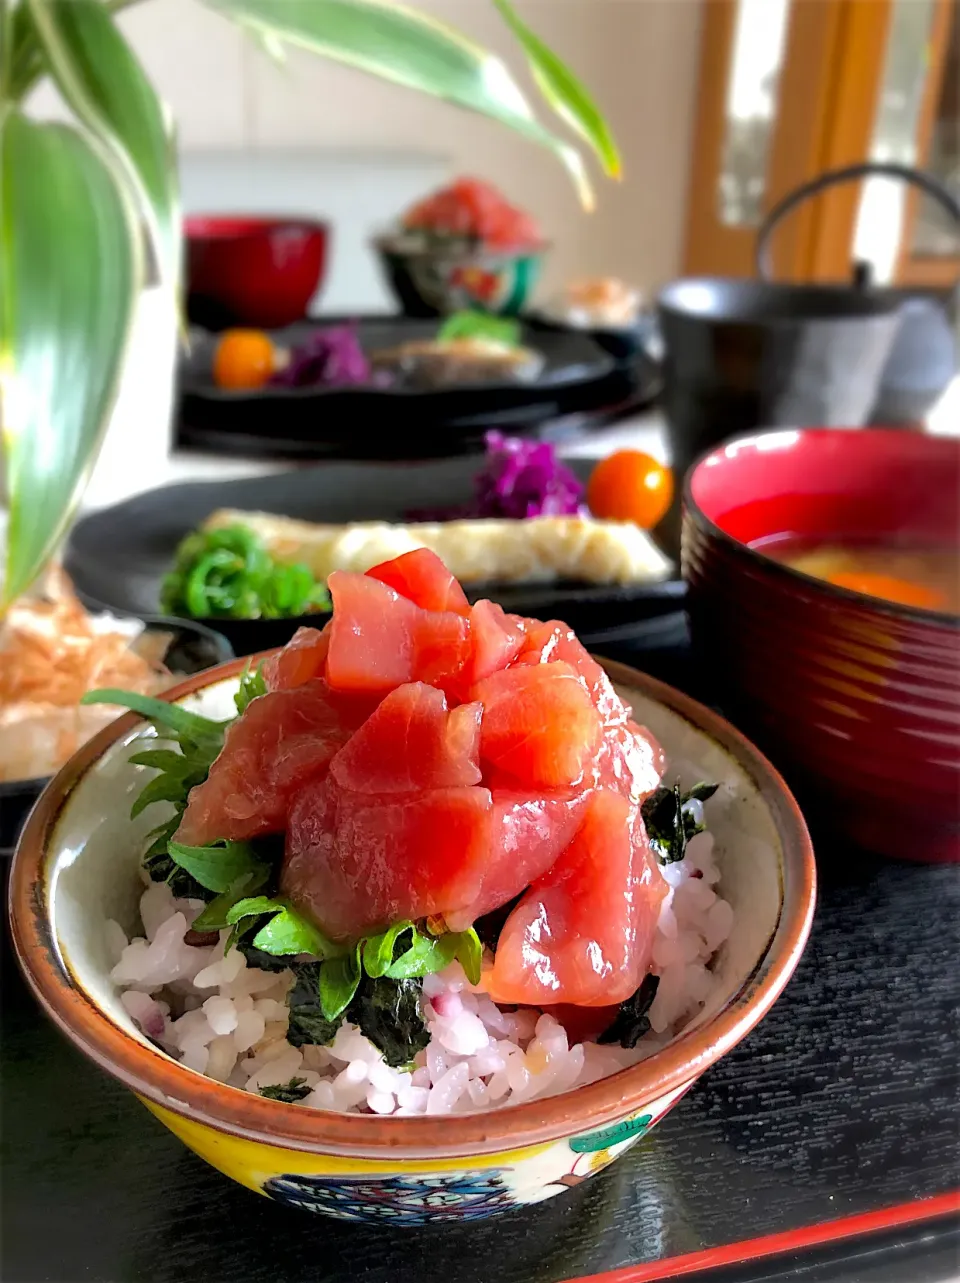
column 219, row 866
column 215, row 917
column 252, row 686
column 379, row 950
column 339, row 978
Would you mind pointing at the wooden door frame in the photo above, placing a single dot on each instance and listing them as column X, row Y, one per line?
column 928, row 270
column 827, row 99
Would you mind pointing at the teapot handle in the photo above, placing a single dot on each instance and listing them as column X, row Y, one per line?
column 867, row 169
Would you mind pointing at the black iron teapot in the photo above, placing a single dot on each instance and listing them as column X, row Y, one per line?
column 923, row 358
column 739, row 354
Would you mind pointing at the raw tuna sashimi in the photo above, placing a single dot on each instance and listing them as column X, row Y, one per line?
column 284, row 739
column 497, row 639
column 411, row 743
column 357, row 862
column 303, row 658
column 380, row 640
column 552, row 641
column 425, row 757
column 629, row 761
column 539, row 725
column 527, row 834
column 584, row 931
column 422, row 578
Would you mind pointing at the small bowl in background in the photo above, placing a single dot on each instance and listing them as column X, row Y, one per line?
column 77, row 865
column 259, row 272
column 438, row 280
column 192, row 649
column 856, row 699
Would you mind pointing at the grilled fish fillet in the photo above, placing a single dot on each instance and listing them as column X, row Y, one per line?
column 535, row 550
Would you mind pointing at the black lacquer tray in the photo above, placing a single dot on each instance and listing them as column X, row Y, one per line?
column 823, row 1148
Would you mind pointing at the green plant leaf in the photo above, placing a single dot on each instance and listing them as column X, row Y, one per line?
column 215, row 916
column 478, row 325
column 165, row 788
column 26, row 56
column 339, row 978
column 71, row 267
column 289, row 932
column 378, row 950
column 470, row 954
column 410, row 48
column 564, row 92
column 216, row 867
column 159, row 711
column 427, row 954
column 101, row 79
column 252, row 685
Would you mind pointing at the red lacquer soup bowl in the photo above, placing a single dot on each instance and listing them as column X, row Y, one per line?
column 855, row 698
column 253, row 271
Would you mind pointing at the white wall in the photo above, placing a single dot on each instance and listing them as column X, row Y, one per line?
column 639, row 57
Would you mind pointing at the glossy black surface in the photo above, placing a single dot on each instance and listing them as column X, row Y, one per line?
column 118, row 556
column 743, row 354
column 844, row 1100
column 415, row 423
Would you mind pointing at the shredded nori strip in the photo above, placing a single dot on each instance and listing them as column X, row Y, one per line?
column 389, row 1012
column 669, row 827
column 631, row 1021
column 296, row 1089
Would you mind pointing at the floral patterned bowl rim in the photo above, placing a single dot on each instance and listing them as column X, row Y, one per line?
column 158, row 1078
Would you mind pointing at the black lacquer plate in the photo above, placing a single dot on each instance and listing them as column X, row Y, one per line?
column 118, row 556
column 417, row 423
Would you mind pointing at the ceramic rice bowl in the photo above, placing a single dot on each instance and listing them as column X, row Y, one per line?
column 76, row 866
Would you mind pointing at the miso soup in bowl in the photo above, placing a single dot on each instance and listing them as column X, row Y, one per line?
column 923, row 576
column 824, row 575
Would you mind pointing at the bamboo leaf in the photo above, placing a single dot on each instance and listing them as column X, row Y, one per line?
column 564, row 92
column 400, row 44
column 101, row 79
column 70, row 267
column 26, row 57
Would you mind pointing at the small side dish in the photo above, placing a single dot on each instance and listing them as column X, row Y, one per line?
column 469, row 348
column 597, row 303
column 330, row 357
column 439, row 363
column 465, row 246
column 527, row 523
column 227, row 573
column 432, row 866
column 484, row 550
column 52, row 652
column 469, row 213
